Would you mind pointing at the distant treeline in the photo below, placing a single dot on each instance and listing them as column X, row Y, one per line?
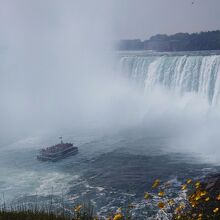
column 178, row 42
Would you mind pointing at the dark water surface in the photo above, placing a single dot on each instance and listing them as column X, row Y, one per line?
column 111, row 172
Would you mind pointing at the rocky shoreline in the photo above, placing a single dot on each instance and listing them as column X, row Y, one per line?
column 203, row 199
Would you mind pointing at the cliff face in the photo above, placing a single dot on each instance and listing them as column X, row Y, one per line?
column 178, row 42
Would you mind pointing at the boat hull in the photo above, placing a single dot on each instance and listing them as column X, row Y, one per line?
column 57, row 157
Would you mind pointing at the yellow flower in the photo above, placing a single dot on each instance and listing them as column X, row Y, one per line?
column 193, row 204
column 198, row 197
column 161, row 205
column 147, row 195
column 203, row 193
column 118, row 216
column 192, row 197
column 161, row 194
column 170, row 201
column 197, row 184
column 156, row 183
column 78, row 208
column 189, row 181
column 207, row 199
column 184, row 187
column 218, row 197
column 182, row 206
column 215, row 210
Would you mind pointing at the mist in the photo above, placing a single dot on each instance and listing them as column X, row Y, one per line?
column 55, row 66
column 57, row 75
column 188, row 122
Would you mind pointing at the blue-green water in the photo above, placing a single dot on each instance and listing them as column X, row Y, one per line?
column 111, row 172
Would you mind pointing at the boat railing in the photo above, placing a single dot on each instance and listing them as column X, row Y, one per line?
column 54, row 152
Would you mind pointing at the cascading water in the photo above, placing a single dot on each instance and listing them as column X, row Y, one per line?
column 198, row 74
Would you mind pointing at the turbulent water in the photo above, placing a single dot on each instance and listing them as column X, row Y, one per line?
column 115, row 170
column 111, row 172
column 196, row 73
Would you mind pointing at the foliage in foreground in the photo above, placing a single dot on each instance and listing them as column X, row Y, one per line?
column 202, row 200
column 201, row 203
column 25, row 213
column 28, row 215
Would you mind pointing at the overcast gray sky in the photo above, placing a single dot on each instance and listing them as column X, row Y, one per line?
column 144, row 18
column 125, row 19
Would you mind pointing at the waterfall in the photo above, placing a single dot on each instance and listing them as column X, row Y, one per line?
column 182, row 74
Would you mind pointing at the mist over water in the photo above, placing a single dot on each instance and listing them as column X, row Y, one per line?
column 54, row 65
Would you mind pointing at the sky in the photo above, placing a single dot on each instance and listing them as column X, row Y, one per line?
column 122, row 19
column 144, row 18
